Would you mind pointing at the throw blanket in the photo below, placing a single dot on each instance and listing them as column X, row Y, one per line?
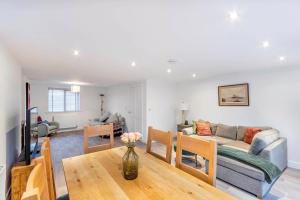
column 271, row 171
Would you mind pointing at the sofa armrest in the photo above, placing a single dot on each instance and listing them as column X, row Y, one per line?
column 276, row 153
column 188, row 131
column 54, row 124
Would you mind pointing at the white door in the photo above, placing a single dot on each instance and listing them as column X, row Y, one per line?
column 134, row 108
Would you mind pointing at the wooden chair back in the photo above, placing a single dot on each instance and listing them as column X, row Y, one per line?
column 98, row 130
column 204, row 148
column 37, row 185
column 46, row 152
column 163, row 138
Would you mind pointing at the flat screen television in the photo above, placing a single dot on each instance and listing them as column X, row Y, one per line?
column 29, row 145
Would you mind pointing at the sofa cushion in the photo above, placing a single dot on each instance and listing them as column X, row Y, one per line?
column 203, row 128
column 188, row 131
column 262, row 140
column 195, row 124
column 241, row 168
column 219, row 140
column 226, row 131
column 250, row 133
column 104, row 117
column 213, row 128
column 240, row 145
column 223, row 140
column 112, row 118
column 241, row 130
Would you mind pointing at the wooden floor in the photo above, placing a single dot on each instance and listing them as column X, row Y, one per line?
column 69, row 144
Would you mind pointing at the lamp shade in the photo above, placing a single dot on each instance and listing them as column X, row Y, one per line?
column 75, row 88
column 183, row 106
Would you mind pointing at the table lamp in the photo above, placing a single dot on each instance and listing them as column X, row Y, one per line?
column 183, row 107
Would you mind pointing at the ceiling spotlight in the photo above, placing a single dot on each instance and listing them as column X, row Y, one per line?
column 233, row 15
column 75, row 88
column 133, row 64
column 265, row 44
column 75, row 52
column 282, row 58
column 194, row 75
column 169, row 70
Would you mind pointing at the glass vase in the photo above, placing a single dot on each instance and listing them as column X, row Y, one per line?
column 130, row 163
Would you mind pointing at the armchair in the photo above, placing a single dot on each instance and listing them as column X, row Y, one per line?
column 44, row 129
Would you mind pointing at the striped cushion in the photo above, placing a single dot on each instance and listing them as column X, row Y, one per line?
column 262, row 139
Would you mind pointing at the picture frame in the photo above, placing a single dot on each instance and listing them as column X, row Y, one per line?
column 234, row 95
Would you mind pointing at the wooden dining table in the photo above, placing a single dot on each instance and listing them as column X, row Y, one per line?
column 98, row 176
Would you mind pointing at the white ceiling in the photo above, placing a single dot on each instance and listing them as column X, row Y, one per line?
column 110, row 34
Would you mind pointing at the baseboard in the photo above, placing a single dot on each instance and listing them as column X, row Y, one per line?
column 294, row 164
column 70, row 130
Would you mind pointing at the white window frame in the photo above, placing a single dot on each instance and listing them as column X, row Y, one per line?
column 65, row 91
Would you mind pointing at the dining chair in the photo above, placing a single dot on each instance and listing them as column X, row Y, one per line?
column 37, row 184
column 160, row 137
column 46, row 152
column 94, row 131
column 204, row 148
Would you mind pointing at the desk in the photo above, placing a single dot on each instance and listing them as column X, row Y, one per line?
column 99, row 176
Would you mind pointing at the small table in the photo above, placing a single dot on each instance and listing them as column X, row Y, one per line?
column 99, row 176
column 183, row 126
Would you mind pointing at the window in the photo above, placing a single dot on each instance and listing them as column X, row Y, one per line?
column 63, row 100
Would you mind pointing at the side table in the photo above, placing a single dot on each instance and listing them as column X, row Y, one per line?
column 183, row 126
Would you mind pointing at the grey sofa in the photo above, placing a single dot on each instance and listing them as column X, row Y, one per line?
column 118, row 121
column 240, row 174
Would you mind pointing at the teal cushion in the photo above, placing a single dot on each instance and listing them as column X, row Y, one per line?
column 184, row 152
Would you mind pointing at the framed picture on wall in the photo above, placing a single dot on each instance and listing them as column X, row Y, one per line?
column 234, row 95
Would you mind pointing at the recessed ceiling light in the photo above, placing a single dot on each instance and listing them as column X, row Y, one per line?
column 282, row 58
column 75, row 52
column 233, row 15
column 194, row 75
column 75, row 83
column 133, row 64
column 265, row 44
column 169, row 70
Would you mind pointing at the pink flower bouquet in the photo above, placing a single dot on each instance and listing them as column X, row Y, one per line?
column 131, row 138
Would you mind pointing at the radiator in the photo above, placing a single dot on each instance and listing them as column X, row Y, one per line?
column 2, row 182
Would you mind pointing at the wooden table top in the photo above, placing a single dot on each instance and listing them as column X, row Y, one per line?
column 98, row 176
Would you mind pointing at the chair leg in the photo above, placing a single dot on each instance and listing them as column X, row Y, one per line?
column 196, row 160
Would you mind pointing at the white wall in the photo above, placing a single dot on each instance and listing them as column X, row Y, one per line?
column 161, row 105
column 148, row 103
column 89, row 104
column 10, row 112
column 274, row 101
column 127, row 100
